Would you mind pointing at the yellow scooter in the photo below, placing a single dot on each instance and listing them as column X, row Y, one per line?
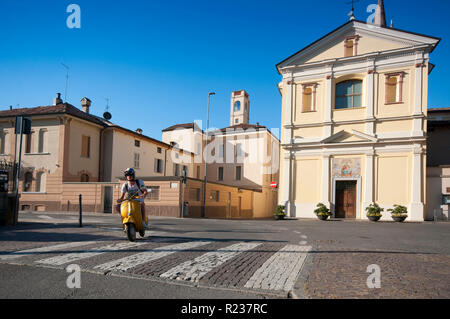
column 130, row 211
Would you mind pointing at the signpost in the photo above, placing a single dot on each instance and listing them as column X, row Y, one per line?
column 183, row 182
column 23, row 126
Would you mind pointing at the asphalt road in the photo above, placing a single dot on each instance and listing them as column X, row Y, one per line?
column 223, row 259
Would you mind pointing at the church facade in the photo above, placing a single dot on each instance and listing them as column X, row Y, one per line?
column 354, row 121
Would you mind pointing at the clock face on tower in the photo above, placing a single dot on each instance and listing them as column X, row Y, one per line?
column 237, row 106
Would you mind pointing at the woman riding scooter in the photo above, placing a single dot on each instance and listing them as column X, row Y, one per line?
column 133, row 186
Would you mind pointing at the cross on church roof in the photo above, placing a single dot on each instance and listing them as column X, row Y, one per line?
column 352, row 13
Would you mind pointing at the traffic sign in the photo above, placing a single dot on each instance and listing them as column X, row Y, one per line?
column 274, row 184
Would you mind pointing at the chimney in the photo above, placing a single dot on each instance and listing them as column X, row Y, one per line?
column 139, row 131
column 85, row 104
column 57, row 100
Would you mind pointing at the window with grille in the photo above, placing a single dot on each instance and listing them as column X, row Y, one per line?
column 153, row 193
column 214, row 196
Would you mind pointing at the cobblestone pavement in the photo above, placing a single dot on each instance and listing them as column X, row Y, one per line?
column 340, row 273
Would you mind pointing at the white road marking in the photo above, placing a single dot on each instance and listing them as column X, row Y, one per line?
column 303, row 242
column 304, row 236
column 40, row 250
column 280, row 271
column 68, row 258
column 128, row 262
column 194, row 270
column 45, row 217
column 297, row 232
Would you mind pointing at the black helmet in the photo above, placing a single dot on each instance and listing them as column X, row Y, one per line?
column 130, row 172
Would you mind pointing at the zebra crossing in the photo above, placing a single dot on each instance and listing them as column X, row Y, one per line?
column 255, row 265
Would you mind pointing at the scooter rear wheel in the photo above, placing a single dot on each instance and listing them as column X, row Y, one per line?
column 131, row 231
column 142, row 233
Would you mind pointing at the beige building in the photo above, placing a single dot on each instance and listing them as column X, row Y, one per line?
column 354, row 121
column 72, row 152
column 242, row 155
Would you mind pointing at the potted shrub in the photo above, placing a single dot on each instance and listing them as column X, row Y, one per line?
column 399, row 213
column 374, row 212
column 279, row 212
column 322, row 212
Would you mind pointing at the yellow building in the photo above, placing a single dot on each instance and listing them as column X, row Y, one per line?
column 354, row 107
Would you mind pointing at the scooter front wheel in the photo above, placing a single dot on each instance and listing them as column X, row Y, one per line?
column 131, row 231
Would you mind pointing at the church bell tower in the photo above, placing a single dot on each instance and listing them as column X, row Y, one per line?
column 240, row 108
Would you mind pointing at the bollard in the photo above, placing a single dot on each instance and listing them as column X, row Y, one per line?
column 81, row 212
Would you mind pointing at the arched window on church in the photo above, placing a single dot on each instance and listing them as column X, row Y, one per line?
column 348, row 94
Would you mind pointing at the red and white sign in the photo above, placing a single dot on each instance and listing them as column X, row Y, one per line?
column 274, row 185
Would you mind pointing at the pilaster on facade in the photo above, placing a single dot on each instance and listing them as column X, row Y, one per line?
column 326, row 180
column 369, row 195
column 328, row 102
column 287, row 200
column 417, row 205
column 288, row 118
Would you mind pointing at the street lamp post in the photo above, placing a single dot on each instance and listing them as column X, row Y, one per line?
column 205, row 158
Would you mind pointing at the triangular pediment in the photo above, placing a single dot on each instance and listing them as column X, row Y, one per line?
column 371, row 39
column 349, row 137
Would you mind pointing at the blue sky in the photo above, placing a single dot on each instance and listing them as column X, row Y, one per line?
column 156, row 61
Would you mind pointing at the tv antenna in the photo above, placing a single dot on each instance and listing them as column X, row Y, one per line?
column 67, row 81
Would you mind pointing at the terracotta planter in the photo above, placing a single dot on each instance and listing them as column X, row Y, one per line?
column 323, row 217
column 374, row 218
column 399, row 219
